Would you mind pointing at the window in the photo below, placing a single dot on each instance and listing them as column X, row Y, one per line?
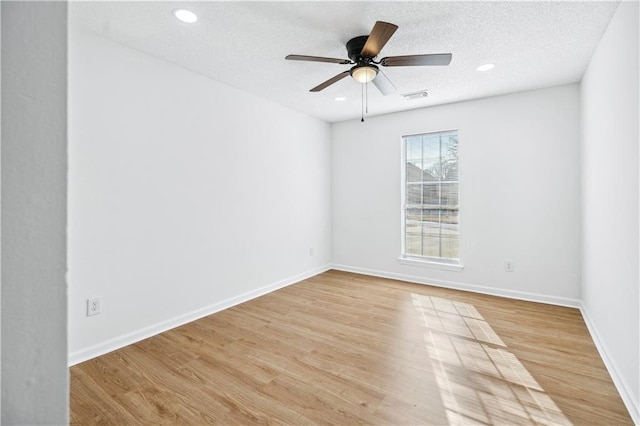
column 430, row 219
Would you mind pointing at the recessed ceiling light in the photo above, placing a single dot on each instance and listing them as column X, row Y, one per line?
column 485, row 67
column 185, row 15
column 339, row 99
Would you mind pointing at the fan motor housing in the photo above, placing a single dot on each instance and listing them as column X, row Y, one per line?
column 354, row 48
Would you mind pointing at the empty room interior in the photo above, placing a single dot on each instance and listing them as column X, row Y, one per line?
column 320, row 212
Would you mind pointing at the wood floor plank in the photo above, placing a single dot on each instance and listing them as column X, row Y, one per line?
column 342, row 348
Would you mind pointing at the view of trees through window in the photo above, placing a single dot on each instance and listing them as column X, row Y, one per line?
column 431, row 195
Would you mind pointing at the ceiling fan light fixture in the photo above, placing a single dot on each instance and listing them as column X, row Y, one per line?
column 364, row 73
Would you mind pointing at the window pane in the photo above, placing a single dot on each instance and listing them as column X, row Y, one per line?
column 431, row 217
column 413, row 245
column 414, row 195
column 431, row 194
column 430, row 243
column 414, row 171
column 414, row 214
column 413, row 146
column 449, row 194
column 431, row 158
column 449, row 247
column 450, row 217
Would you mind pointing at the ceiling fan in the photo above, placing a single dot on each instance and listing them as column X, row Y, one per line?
column 362, row 52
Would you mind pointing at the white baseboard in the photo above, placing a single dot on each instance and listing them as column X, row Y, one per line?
column 138, row 335
column 511, row 294
column 618, row 380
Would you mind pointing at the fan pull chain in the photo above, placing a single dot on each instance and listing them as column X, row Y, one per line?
column 362, row 103
column 366, row 110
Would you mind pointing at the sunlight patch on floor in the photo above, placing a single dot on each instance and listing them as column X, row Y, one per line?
column 480, row 380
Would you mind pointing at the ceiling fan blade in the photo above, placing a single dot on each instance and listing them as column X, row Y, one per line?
column 417, row 60
column 384, row 85
column 317, row 59
column 329, row 82
column 380, row 35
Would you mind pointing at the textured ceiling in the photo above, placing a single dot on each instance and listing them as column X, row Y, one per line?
column 243, row 44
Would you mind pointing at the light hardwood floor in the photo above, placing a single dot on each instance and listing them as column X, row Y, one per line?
column 342, row 348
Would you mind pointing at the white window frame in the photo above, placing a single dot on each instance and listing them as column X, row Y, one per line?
column 425, row 261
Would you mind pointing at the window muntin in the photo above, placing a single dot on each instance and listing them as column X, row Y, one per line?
column 430, row 211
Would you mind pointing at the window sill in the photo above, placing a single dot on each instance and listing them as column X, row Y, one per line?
column 426, row 263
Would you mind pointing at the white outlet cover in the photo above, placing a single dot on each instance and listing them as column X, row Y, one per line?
column 508, row 265
column 93, row 307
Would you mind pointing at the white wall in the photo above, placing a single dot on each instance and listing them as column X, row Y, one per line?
column 0, row 216
column 611, row 215
column 520, row 194
column 34, row 164
column 185, row 195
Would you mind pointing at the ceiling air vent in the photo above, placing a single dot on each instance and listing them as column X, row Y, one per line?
column 415, row 95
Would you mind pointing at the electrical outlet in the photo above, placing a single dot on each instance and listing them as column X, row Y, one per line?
column 311, row 251
column 93, row 307
column 508, row 266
